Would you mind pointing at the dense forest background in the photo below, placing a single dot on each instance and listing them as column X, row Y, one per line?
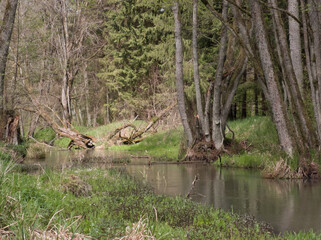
column 93, row 62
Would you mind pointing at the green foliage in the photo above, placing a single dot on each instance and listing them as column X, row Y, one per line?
column 135, row 32
column 116, row 201
column 258, row 131
column 45, row 135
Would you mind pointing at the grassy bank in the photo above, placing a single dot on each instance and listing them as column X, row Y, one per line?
column 259, row 136
column 101, row 204
column 109, row 204
column 163, row 145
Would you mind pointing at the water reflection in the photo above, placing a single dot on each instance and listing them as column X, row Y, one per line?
column 288, row 205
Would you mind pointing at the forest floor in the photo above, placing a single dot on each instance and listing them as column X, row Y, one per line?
column 109, row 204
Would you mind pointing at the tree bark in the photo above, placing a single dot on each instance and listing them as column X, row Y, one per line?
column 199, row 104
column 217, row 134
column 295, row 43
column 5, row 37
column 312, row 80
column 179, row 75
column 278, row 112
column 207, row 112
column 300, row 111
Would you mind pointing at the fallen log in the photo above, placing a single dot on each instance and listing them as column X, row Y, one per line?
column 77, row 138
column 136, row 135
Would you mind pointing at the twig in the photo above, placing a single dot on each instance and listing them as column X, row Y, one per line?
column 233, row 134
column 193, row 185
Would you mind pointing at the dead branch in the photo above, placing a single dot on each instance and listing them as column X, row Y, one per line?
column 196, row 178
column 136, row 135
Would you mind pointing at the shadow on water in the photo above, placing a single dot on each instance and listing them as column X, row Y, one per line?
column 288, row 205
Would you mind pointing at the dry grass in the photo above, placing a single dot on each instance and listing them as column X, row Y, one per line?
column 77, row 186
column 60, row 234
column 6, row 234
column 138, row 231
column 37, row 150
column 280, row 169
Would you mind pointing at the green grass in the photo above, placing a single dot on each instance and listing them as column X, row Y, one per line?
column 164, row 145
column 260, row 134
column 105, row 202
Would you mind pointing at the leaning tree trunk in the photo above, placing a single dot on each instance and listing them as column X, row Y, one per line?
column 179, row 75
column 312, row 80
column 217, row 132
column 300, row 115
column 279, row 115
column 5, row 36
column 199, row 104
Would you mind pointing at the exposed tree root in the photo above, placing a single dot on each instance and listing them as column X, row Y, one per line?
column 206, row 151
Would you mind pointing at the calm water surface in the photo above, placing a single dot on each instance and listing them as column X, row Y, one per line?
column 287, row 205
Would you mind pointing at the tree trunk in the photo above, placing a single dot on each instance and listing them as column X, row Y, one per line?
column 312, row 80
column 5, row 37
column 278, row 112
column 315, row 21
column 207, row 112
column 217, row 134
column 300, row 113
column 295, row 43
column 236, row 80
column 179, row 75
column 196, row 72
column 244, row 102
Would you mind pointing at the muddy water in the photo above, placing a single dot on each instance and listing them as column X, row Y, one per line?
column 287, row 205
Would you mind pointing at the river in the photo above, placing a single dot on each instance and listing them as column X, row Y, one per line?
column 287, row 205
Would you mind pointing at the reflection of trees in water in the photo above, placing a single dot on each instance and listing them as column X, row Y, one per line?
column 286, row 204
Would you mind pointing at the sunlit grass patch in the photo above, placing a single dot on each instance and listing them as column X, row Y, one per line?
column 164, row 145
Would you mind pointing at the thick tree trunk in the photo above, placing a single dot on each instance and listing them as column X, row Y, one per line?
column 312, row 80
column 295, row 43
column 12, row 130
column 279, row 115
column 179, row 75
column 5, row 37
column 300, row 113
column 217, row 132
column 199, row 104
column 315, row 22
